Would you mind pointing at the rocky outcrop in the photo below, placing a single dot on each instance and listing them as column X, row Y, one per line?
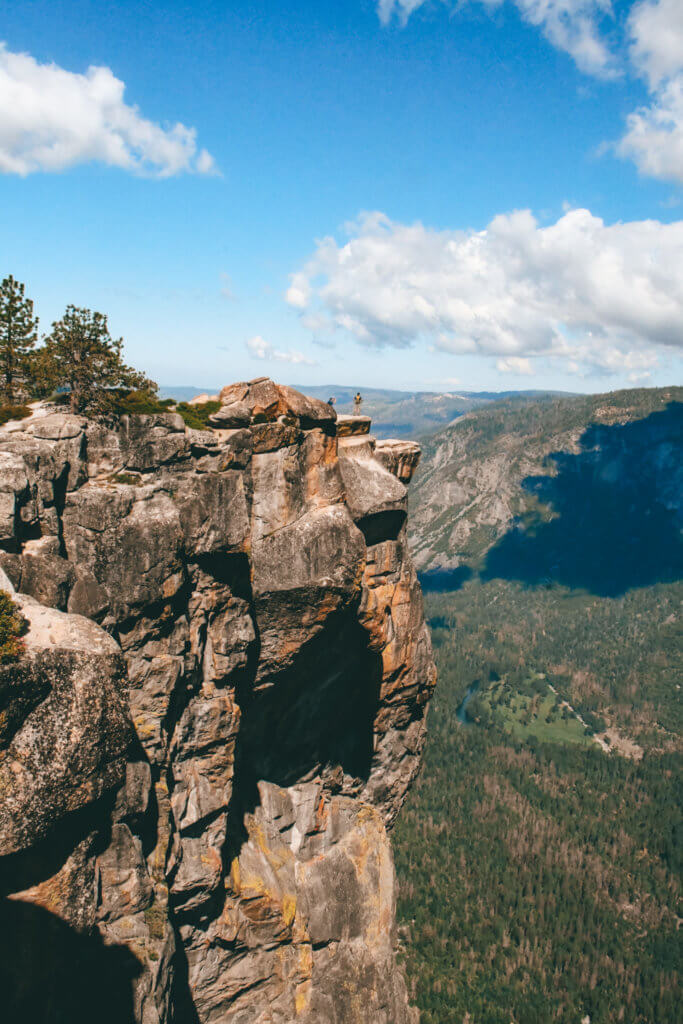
column 219, row 710
column 399, row 457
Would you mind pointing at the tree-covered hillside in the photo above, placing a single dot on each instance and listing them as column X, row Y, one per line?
column 539, row 854
column 548, row 468
column 540, row 876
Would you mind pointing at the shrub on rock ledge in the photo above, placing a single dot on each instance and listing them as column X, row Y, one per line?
column 197, row 416
column 13, row 412
column 12, row 628
column 139, row 403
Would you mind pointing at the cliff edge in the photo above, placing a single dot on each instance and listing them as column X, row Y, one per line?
column 217, row 715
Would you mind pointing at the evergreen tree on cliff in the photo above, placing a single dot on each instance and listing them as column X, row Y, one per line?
column 81, row 355
column 18, row 335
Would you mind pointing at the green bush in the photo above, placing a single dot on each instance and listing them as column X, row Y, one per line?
column 197, row 416
column 12, row 627
column 133, row 479
column 13, row 412
column 140, row 403
column 144, row 403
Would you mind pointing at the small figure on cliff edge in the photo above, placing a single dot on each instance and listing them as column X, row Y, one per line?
column 357, row 402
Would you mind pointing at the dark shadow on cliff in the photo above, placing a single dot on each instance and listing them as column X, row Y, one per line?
column 319, row 711
column 50, row 973
column 87, row 829
column 53, row 971
column 612, row 529
column 317, row 714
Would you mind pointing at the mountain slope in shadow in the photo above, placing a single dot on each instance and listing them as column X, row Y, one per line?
column 616, row 508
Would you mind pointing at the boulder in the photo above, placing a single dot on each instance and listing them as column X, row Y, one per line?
column 371, row 490
column 203, row 399
column 266, row 401
column 69, row 739
column 399, row 457
column 231, row 416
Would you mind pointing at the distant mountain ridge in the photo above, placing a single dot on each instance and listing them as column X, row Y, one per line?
column 399, row 414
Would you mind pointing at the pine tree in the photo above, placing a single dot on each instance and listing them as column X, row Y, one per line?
column 81, row 355
column 18, row 335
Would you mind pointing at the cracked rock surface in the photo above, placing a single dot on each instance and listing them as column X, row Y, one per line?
column 218, row 712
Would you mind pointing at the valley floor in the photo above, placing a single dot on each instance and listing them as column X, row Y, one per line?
column 539, row 869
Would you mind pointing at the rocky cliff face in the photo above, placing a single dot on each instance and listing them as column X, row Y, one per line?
column 220, row 708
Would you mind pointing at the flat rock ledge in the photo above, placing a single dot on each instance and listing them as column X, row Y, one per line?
column 217, row 715
column 352, row 426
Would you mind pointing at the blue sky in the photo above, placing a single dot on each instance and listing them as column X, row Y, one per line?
column 408, row 194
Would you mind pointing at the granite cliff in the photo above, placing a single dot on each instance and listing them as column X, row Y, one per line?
column 218, row 712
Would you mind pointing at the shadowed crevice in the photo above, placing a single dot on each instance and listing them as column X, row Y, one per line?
column 51, row 973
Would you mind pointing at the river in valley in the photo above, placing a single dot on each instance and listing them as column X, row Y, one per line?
column 461, row 713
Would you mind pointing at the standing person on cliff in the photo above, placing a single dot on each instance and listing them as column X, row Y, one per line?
column 357, row 403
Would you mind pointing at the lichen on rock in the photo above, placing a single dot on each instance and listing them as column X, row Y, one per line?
column 217, row 714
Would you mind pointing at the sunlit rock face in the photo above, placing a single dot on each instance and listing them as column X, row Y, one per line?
column 218, row 714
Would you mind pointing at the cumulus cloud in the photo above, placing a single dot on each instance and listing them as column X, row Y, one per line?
column 573, row 26
column 52, row 119
column 654, row 133
column 517, row 365
column 570, row 25
column 656, row 31
column 262, row 349
column 590, row 294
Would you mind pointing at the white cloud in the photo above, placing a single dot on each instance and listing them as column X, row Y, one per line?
column 517, row 365
column 401, row 8
column 654, row 133
column 605, row 296
column 51, row 119
column 656, row 30
column 613, row 360
column 299, row 291
column 570, row 25
column 262, row 349
column 573, row 26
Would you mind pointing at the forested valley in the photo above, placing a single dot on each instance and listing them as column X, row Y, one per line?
column 539, row 853
column 539, row 875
